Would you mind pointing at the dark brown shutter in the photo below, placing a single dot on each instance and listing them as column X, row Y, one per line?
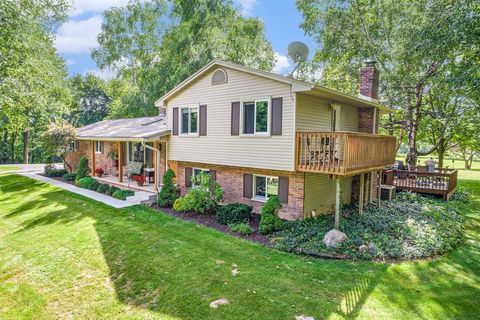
column 283, row 189
column 203, row 120
column 175, row 122
column 188, row 177
column 247, row 185
column 277, row 106
column 235, row 126
column 213, row 178
column 101, row 146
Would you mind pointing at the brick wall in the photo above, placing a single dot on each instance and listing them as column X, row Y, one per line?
column 231, row 181
column 101, row 159
column 367, row 120
column 369, row 81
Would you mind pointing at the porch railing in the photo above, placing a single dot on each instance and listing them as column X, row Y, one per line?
column 343, row 153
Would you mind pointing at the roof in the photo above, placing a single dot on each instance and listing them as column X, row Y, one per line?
column 297, row 86
column 149, row 128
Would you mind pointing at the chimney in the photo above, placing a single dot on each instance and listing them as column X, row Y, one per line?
column 369, row 80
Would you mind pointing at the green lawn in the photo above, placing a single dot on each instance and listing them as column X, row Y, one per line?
column 8, row 168
column 64, row 256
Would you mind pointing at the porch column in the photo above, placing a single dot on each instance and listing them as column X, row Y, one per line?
column 155, row 166
column 379, row 188
column 93, row 157
column 337, row 202
column 120, row 161
column 361, row 195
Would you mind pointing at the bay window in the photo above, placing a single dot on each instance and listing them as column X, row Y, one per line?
column 189, row 120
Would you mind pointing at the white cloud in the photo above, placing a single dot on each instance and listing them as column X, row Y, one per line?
column 69, row 62
column 281, row 63
column 247, row 6
column 87, row 6
column 78, row 36
column 104, row 74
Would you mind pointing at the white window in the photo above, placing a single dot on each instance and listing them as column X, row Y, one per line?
column 265, row 187
column 74, row 146
column 196, row 175
column 136, row 152
column 189, row 120
column 98, row 147
column 255, row 115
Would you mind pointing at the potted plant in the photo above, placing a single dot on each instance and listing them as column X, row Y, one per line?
column 139, row 179
column 114, row 156
column 99, row 172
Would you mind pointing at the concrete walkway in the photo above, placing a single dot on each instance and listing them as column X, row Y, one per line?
column 138, row 198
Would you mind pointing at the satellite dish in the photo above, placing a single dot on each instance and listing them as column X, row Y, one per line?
column 298, row 51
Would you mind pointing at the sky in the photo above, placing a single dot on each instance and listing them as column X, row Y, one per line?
column 77, row 37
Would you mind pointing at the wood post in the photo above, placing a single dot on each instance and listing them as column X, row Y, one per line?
column 155, row 166
column 120, row 161
column 361, row 195
column 379, row 188
column 370, row 187
column 337, row 202
column 93, row 157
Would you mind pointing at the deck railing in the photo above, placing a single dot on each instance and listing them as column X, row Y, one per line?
column 441, row 182
column 343, row 153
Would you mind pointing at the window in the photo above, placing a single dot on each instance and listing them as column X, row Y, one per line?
column 196, row 175
column 189, row 120
column 265, row 187
column 255, row 117
column 74, row 146
column 136, row 152
column 98, row 147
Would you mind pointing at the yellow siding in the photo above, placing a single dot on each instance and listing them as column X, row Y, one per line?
column 348, row 118
column 218, row 146
column 320, row 193
column 313, row 113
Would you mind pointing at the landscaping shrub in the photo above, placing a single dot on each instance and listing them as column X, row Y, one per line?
column 111, row 190
column 51, row 173
column 169, row 192
column 178, row 205
column 242, row 228
column 85, row 182
column 102, row 187
column 122, row 194
column 269, row 220
column 411, row 226
column 201, row 199
column 82, row 169
column 70, row 176
column 234, row 213
column 93, row 186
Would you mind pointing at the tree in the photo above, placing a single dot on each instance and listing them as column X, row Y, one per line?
column 157, row 44
column 57, row 140
column 416, row 46
column 90, row 99
column 469, row 138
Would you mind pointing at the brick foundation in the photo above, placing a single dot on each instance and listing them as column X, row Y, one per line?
column 231, row 181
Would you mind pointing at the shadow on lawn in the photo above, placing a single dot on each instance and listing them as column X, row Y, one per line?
column 165, row 265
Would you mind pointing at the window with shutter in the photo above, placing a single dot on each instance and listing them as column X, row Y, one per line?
column 247, row 185
column 255, row 115
column 277, row 106
column 203, row 120
column 188, row 177
column 175, row 121
column 235, row 119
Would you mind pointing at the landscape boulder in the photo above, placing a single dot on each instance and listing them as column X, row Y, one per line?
column 333, row 238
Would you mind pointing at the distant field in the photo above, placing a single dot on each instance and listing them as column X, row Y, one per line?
column 448, row 161
column 8, row 168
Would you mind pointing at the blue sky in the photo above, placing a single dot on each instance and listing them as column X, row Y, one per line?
column 75, row 38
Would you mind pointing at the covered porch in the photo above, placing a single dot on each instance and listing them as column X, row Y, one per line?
column 113, row 145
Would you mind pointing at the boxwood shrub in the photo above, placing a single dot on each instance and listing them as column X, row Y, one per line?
column 51, row 173
column 234, row 213
column 269, row 220
column 111, row 190
column 122, row 194
column 70, row 176
column 85, row 182
column 102, row 187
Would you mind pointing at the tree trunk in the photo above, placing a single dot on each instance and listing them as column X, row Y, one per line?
column 65, row 163
column 26, row 138
column 12, row 146
column 5, row 146
column 411, row 123
column 441, row 154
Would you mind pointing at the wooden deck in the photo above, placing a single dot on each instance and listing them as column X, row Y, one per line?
column 343, row 153
column 441, row 182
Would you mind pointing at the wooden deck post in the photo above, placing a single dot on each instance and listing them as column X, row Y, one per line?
column 155, row 167
column 361, row 195
column 120, row 161
column 93, row 157
column 379, row 188
column 337, row 202
column 370, row 187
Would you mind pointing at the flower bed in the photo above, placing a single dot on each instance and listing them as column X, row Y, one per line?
column 410, row 227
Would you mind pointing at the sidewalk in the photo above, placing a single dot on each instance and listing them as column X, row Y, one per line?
column 134, row 200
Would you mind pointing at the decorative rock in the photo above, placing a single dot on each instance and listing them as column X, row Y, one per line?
column 302, row 317
column 216, row 303
column 362, row 248
column 333, row 238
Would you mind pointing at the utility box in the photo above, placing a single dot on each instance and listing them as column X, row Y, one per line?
column 388, row 192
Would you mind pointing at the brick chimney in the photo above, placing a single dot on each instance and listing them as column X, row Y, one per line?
column 369, row 80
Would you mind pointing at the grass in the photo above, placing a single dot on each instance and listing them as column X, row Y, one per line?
column 65, row 256
column 450, row 162
column 8, row 168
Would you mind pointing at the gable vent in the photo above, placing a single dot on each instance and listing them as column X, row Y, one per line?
column 219, row 76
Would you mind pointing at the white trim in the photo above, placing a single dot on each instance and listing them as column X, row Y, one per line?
column 255, row 133
column 99, row 149
column 189, row 134
column 254, row 195
column 193, row 173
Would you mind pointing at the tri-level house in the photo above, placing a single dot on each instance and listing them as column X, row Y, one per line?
column 258, row 134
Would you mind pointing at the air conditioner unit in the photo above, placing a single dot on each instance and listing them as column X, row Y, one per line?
column 388, row 192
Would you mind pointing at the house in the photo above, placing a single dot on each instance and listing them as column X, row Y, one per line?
column 258, row 134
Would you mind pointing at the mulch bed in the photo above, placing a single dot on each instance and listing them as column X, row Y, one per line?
column 62, row 180
column 210, row 221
